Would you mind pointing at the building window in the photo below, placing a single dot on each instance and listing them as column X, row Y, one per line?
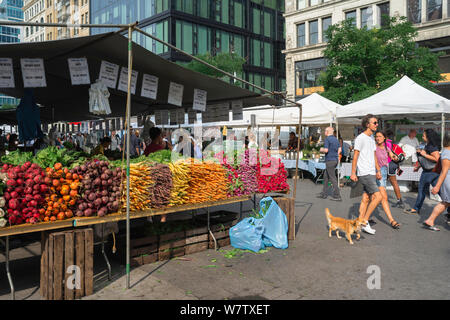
column 307, row 76
column 351, row 15
column 301, row 4
column 366, row 17
column 300, row 35
column 383, row 14
column 313, row 32
column 414, row 8
column 434, row 10
column 326, row 22
column 314, row 2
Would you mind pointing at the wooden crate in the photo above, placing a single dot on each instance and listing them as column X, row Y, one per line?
column 287, row 205
column 67, row 264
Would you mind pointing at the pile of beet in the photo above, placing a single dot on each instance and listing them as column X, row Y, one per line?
column 100, row 189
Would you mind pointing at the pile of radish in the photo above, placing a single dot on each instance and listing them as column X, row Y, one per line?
column 24, row 195
column 100, row 189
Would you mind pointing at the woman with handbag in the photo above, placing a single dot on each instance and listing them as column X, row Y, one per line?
column 394, row 167
column 383, row 153
column 429, row 161
column 442, row 187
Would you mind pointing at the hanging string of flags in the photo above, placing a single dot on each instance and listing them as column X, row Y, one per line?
column 113, row 76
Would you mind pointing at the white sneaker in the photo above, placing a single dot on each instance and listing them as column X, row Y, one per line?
column 368, row 229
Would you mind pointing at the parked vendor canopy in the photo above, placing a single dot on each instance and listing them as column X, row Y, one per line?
column 62, row 101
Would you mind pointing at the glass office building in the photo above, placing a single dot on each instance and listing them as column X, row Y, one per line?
column 253, row 29
column 10, row 10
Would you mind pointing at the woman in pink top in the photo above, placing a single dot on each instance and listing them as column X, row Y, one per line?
column 383, row 154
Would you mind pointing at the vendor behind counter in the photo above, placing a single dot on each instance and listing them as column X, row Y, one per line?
column 100, row 149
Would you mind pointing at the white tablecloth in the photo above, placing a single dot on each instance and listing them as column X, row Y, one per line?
column 407, row 175
column 307, row 165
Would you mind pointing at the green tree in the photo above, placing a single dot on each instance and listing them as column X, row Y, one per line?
column 230, row 62
column 362, row 62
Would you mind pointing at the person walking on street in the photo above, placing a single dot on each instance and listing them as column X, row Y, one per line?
column 332, row 149
column 394, row 167
column 366, row 171
column 383, row 153
column 430, row 155
column 442, row 187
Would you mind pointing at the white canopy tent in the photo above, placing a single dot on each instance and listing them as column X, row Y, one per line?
column 316, row 110
column 404, row 99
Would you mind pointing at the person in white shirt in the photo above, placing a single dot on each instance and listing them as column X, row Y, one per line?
column 366, row 170
column 410, row 139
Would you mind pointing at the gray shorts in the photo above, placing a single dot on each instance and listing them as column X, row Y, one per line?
column 369, row 183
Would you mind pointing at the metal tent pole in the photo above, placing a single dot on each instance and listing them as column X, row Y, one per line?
column 298, row 149
column 339, row 160
column 130, row 65
column 442, row 130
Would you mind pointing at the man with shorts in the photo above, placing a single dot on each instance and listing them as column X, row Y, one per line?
column 366, row 170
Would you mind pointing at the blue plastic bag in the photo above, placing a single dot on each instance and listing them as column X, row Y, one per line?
column 274, row 222
column 246, row 235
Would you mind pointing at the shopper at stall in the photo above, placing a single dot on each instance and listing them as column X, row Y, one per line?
column 383, row 154
column 166, row 141
column 442, row 187
column 2, row 143
column 140, row 143
column 394, row 168
column 365, row 170
column 345, row 150
column 293, row 141
column 157, row 141
column 410, row 139
column 332, row 149
column 13, row 143
column 429, row 160
column 100, row 149
column 115, row 142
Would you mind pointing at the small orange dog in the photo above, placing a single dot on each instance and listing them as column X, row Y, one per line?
column 348, row 226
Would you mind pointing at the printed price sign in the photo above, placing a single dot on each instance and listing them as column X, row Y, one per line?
column 33, row 73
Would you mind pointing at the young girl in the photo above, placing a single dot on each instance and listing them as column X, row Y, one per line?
column 442, row 187
column 383, row 154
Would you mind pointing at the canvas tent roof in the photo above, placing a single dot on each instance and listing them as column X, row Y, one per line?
column 316, row 110
column 404, row 99
column 71, row 103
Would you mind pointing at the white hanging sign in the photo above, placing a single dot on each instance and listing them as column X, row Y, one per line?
column 199, row 100
column 192, row 116
column 123, row 80
column 149, row 86
column 223, row 112
column 109, row 73
column 79, row 71
column 33, row 73
column 175, row 94
column 6, row 73
column 236, row 107
column 180, row 116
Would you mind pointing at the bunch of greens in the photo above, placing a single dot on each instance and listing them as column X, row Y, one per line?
column 17, row 158
column 161, row 156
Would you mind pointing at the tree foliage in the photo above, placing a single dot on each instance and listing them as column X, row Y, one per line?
column 230, row 62
column 362, row 62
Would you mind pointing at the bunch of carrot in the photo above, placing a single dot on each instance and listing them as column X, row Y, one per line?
column 63, row 195
column 140, row 187
column 208, row 182
column 180, row 177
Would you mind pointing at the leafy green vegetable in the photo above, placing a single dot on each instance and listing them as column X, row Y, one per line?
column 17, row 157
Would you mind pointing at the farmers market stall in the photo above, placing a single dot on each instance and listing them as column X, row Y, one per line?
column 48, row 193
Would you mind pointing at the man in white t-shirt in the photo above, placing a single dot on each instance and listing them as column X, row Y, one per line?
column 410, row 139
column 366, row 170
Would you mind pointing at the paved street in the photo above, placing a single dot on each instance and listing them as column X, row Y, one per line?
column 413, row 263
